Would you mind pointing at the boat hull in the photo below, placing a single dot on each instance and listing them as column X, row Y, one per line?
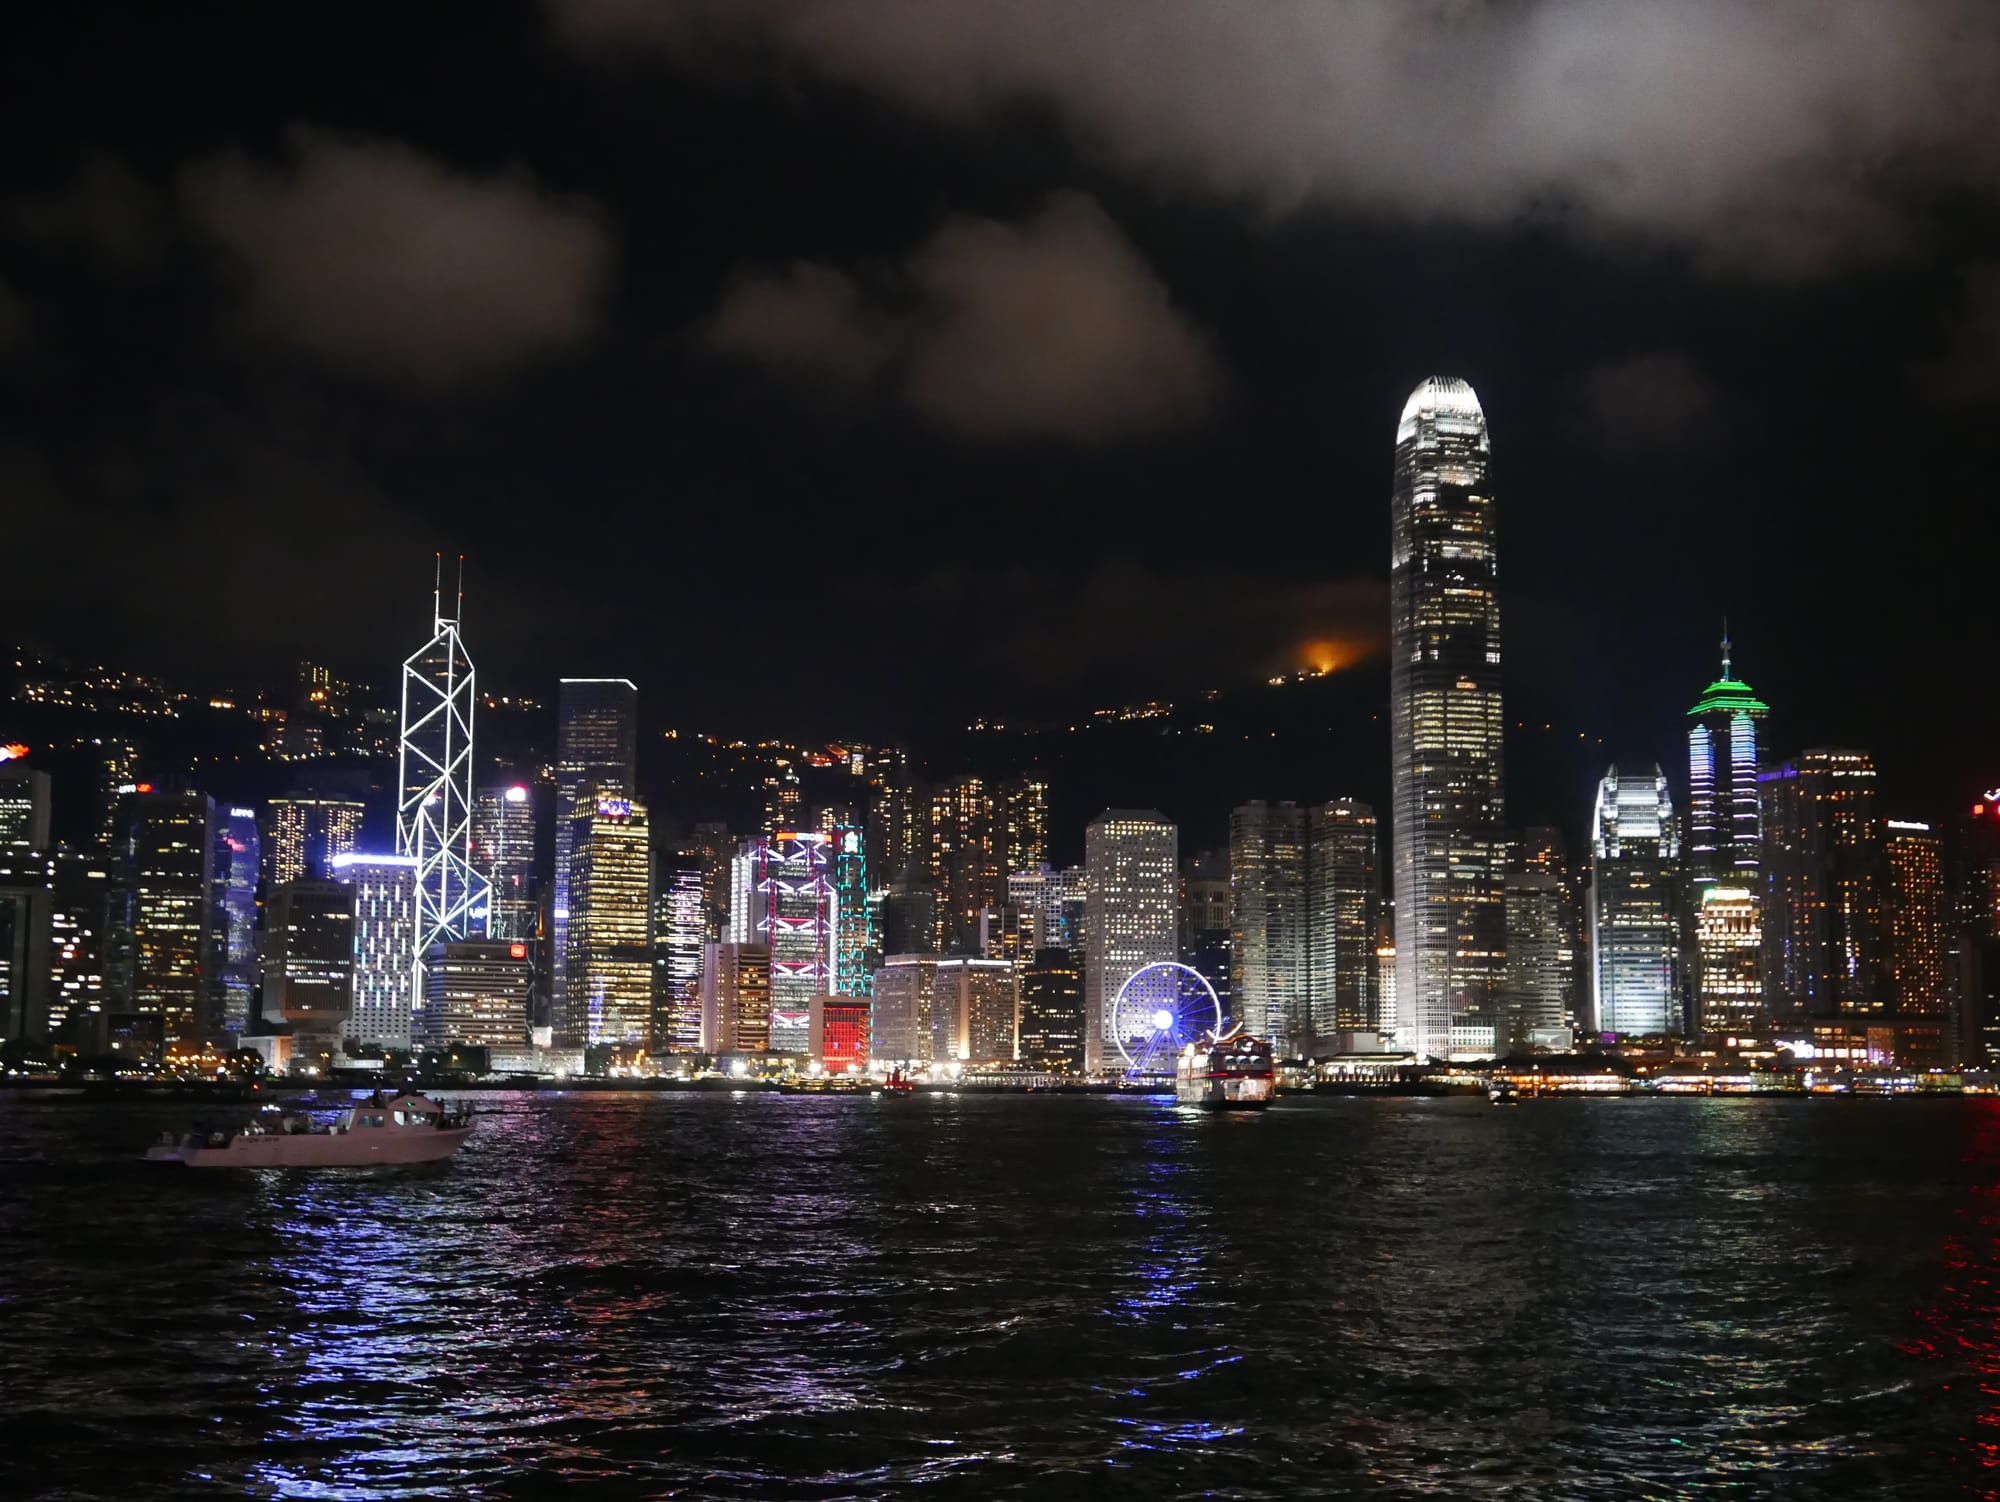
column 361, row 1149
column 1224, row 1094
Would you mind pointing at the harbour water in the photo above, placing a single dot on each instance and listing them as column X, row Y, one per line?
column 815, row 1297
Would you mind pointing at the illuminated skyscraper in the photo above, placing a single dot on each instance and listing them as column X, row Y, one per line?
column 855, row 948
column 1445, row 722
column 1724, row 845
column 164, row 920
column 386, row 976
column 1052, row 1012
column 1915, row 902
column 1343, row 910
column 80, row 931
column 1635, row 931
column 235, row 970
column 609, row 998
column 967, row 852
column 597, row 743
column 1023, row 810
column 1051, row 902
column 1131, row 861
column 678, row 934
column 1207, row 941
column 434, row 775
column 840, row 1042
column 1268, row 942
column 476, row 994
column 503, row 851
column 1822, row 898
column 1729, row 943
column 303, row 836
column 25, row 943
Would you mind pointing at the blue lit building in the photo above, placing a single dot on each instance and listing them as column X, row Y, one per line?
column 1725, row 851
column 235, row 907
column 385, row 984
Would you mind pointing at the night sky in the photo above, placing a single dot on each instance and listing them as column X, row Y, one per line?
column 854, row 367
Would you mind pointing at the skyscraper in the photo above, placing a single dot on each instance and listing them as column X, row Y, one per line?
column 1131, row 901
column 609, row 967
column 855, row 950
column 24, row 807
column 678, row 934
column 1724, row 847
column 386, row 975
column 1268, row 945
column 905, row 996
column 1207, row 939
column 1635, row 938
column 434, row 777
column 503, row 851
column 1822, row 897
column 309, row 965
column 1915, row 902
column 975, row 1010
column 476, row 994
column 967, row 853
column 1445, row 721
column 1052, row 1012
column 735, row 998
column 165, row 920
column 1343, row 910
column 1051, row 902
column 597, row 747
column 235, row 970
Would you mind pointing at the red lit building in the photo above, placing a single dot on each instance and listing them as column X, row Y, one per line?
column 840, row 1033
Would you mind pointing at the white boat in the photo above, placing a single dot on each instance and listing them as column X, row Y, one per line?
column 381, row 1130
column 1226, row 1072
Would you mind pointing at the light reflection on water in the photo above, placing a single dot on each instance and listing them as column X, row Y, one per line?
column 797, row 1297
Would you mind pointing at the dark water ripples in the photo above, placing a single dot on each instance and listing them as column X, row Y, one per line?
column 777, row 1297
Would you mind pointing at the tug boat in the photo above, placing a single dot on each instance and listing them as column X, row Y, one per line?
column 1226, row 1072
column 393, row 1130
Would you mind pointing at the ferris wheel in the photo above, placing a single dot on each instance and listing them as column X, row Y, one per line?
column 1159, row 1009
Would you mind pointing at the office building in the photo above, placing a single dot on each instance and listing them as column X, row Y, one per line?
column 387, row 979
column 975, row 1010
column 309, row 965
column 786, row 889
column 735, row 998
column 1729, row 945
column 1022, row 807
column 1131, row 862
column 503, row 852
column 856, row 951
column 235, row 973
column 24, row 807
column 905, row 998
column 26, row 944
column 1445, row 722
column 597, row 748
column 1823, row 873
column 1052, row 1012
column 1914, row 900
column 839, row 1039
column 678, row 935
column 1207, row 942
column 163, row 921
column 304, row 835
column 967, row 853
column 1268, row 939
column 476, row 994
column 1343, row 911
column 1635, row 887
column 608, row 996
column 80, row 918
column 1724, row 846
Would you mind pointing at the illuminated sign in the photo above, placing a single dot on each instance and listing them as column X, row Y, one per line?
column 517, row 951
column 1993, row 795
column 517, row 794
column 1907, row 824
column 142, row 787
column 13, row 752
column 614, row 808
column 850, row 842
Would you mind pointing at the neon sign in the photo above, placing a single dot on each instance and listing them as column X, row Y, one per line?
column 13, row 751
column 614, row 808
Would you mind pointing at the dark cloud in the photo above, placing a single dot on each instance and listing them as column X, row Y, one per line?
column 1054, row 327
column 1971, row 371
column 379, row 261
column 1648, row 403
column 1776, row 137
column 107, row 213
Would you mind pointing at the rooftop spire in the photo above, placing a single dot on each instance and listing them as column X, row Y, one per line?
column 1725, row 647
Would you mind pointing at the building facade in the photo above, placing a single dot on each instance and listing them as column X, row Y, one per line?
column 1343, row 911
column 1269, row 947
column 304, row 835
column 309, row 965
column 476, row 994
column 164, row 921
column 1823, row 874
column 233, row 975
column 1052, row 1012
column 1446, row 721
column 1916, row 911
column 609, row 965
column 905, row 1008
column 975, row 1010
column 1724, row 848
column 597, row 749
column 679, row 923
column 503, row 851
column 735, row 998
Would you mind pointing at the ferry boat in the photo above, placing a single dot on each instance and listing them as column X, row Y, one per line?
column 1226, row 1072
column 381, row 1130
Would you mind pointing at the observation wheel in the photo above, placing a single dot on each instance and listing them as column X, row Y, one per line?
column 1159, row 1010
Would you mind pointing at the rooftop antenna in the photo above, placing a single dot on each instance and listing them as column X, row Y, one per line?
column 437, row 587
column 1725, row 646
column 460, row 616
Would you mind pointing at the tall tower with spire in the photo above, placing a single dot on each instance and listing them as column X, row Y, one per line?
column 1445, row 725
column 434, row 765
column 1724, row 850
